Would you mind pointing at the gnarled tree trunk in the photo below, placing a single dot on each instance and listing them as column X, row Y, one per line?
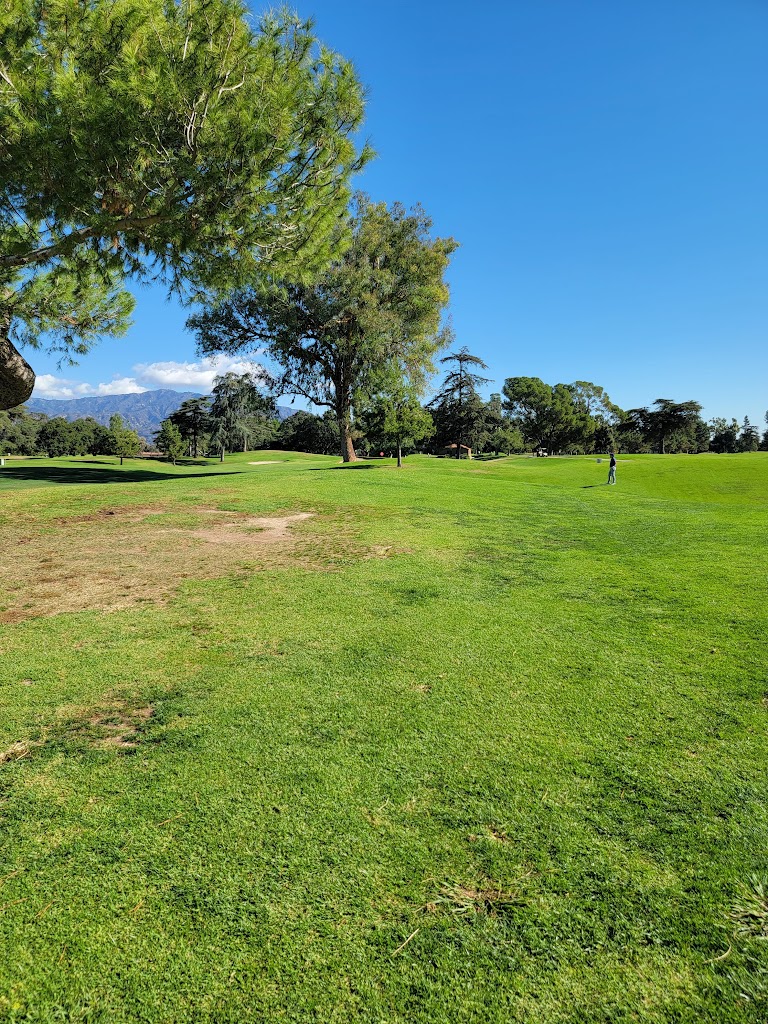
column 17, row 378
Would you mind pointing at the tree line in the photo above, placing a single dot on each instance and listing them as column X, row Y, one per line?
column 527, row 415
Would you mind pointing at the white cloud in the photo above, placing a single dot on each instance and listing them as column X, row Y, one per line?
column 196, row 376
column 48, row 386
column 193, row 376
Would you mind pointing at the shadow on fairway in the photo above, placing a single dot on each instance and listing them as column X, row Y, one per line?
column 325, row 469
column 84, row 475
column 588, row 487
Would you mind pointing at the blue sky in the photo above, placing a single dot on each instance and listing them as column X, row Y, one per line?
column 603, row 166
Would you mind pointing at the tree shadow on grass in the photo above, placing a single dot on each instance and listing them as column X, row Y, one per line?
column 84, row 475
column 356, row 465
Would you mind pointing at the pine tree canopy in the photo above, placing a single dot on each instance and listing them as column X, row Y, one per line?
column 165, row 140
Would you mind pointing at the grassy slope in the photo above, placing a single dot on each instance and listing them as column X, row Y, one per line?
column 532, row 738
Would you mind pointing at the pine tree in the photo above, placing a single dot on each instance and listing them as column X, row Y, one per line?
column 152, row 139
column 458, row 407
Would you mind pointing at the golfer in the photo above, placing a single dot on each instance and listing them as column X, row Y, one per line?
column 612, row 470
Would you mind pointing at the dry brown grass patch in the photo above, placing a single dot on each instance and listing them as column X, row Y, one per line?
column 115, row 558
column 118, row 726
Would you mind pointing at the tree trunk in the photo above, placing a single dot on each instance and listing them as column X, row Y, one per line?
column 399, row 455
column 17, row 378
column 348, row 452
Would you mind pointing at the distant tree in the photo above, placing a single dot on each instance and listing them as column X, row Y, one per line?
column 305, row 432
column 18, row 431
column 235, row 401
column 55, row 437
column 193, row 418
column 669, row 418
column 458, row 408
column 169, row 441
column 124, row 442
column 666, row 427
column 724, row 435
column 764, row 444
column 261, row 427
column 152, row 138
column 375, row 311
column 549, row 416
column 396, row 419
column 86, row 435
column 749, row 438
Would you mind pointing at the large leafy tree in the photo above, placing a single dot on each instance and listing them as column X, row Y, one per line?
column 668, row 418
column 555, row 416
column 373, row 313
column 749, row 438
column 18, row 431
column 167, row 139
column 666, row 425
column 305, row 432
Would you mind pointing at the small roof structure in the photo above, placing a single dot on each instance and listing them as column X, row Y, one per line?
column 464, row 448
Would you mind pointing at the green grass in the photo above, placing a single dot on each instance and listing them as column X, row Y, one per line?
column 510, row 768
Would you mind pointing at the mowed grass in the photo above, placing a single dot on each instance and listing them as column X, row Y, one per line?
column 484, row 742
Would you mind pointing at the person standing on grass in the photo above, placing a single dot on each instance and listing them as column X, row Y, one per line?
column 612, row 470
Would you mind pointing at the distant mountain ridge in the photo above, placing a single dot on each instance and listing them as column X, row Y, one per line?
column 141, row 412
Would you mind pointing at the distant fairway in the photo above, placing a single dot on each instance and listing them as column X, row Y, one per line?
column 472, row 742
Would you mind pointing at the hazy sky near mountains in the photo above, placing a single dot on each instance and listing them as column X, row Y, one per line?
column 603, row 166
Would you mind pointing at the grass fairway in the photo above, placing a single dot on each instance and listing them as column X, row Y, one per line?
column 473, row 742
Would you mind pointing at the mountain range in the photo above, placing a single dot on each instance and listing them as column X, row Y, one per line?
column 141, row 412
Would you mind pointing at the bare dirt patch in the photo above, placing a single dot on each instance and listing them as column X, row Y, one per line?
column 118, row 726
column 253, row 530
column 112, row 559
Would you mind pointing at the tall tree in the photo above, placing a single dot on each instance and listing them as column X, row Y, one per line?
column 193, row 420
column 749, row 438
column 305, row 432
column 55, row 437
column 236, row 399
column 458, row 406
column 147, row 138
column 18, row 431
column 499, row 435
column 724, row 435
column 374, row 312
